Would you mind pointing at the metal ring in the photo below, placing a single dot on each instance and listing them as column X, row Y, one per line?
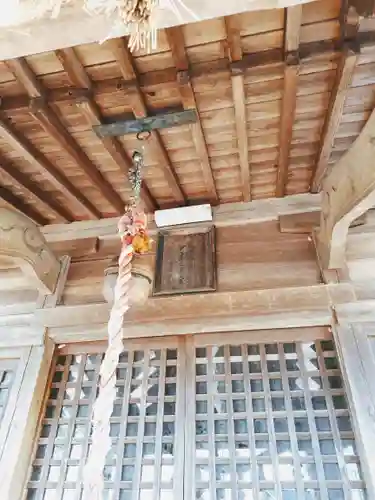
column 143, row 135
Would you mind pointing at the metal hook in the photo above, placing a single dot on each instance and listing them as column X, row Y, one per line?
column 144, row 135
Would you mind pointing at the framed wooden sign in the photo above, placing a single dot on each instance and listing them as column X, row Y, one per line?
column 185, row 261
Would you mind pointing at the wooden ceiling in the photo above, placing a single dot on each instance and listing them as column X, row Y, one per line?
column 280, row 95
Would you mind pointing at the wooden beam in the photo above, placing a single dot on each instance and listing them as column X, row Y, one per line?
column 227, row 215
column 77, row 250
column 288, row 110
column 28, row 151
column 239, row 99
column 293, row 21
column 169, row 75
column 299, row 223
column 343, row 81
column 20, row 205
column 74, row 68
column 348, row 192
column 55, row 128
column 33, row 188
column 176, row 41
column 304, row 303
column 78, row 76
column 124, row 59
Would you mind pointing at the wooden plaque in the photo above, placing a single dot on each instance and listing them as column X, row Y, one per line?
column 185, row 261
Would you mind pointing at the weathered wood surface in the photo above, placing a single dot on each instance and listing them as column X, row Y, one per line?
column 232, row 153
column 74, row 26
column 185, row 262
column 23, row 242
column 348, row 192
column 230, row 214
column 15, row 460
column 343, row 81
column 247, row 310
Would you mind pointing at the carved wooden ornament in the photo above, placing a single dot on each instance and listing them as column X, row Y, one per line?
column 22, row 241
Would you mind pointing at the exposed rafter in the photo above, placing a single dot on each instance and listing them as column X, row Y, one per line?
column 348, row 192
column 344, row 77
column 54, row 127
column 20, row 205
column 49, row 171
column 78, row 76
column 288, row 109
column 176, row 42
column 159, row 77
column 124, row 59
column 33, row 188
column 239, row 98
column 293, row 20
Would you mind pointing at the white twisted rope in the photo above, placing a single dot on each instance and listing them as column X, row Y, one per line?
column 103, row 406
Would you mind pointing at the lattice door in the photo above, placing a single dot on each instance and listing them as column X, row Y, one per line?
column 146, row 459
column 200, row 419
column 270, row 422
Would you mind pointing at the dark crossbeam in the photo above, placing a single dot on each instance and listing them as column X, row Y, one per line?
column 146, row 124
column 168, row 75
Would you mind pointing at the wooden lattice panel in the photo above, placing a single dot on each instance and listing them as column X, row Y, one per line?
column 194, row 418
column 142, row 463
column 271, row 422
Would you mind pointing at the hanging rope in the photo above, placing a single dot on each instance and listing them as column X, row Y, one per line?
column 132, row 230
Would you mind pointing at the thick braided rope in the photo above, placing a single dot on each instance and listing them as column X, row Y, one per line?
column 103, row 406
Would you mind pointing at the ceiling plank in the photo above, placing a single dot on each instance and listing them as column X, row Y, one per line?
column 124, row 59
column 169, row 75
column 33, row 188
column 343, row 81
column 55, row 128
column 348, row 192
column 49, row 171
column 176, row 42
column 239, row 98
column 20, row 205
column 293, row 21
column 78, row 76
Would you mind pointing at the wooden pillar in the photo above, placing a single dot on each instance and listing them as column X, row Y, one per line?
column 357, row 362
column 18, row 447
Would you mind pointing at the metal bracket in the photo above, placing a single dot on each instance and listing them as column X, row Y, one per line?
column 123, row 127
